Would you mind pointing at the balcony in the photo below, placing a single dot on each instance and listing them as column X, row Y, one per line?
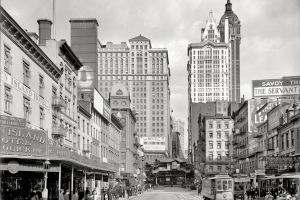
column 241, row 156
column 235, row 141
column 242, row 132
column 234, row 155
column 241, row 144
column 58, row 102
column 59, row 131
column 259, row 149
column 295, row 115
column 87, row 148
column 270, row 147
column 257, row 134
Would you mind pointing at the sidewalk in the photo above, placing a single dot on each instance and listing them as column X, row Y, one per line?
column 131, row 197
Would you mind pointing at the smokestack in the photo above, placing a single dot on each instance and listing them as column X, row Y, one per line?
column 44, row 30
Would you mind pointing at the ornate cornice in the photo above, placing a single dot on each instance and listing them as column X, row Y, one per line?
column 17, row 35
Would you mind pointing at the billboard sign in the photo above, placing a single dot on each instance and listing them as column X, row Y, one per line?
column 289, row 86
column 155, row 147
column 106, row 111
column 98, row 102
column 154, row 139
column 22, row 141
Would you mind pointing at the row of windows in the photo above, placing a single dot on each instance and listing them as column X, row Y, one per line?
column 132, row 77
column 218, row 125
column 208, row 52
column 219, row 157
column 219, row 145
column 219, row 135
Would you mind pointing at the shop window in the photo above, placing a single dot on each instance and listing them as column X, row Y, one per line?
column 7, row 99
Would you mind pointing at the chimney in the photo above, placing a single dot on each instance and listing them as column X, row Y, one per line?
column 33, row 36
column 44, row 30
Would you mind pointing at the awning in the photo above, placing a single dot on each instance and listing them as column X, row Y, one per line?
column 133, row 182
column 117, row 176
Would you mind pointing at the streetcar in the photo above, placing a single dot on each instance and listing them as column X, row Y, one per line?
column 219, row 187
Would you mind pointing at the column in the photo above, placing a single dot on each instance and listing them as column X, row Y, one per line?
column 72, row 180
column 84, row 183
column 59, row 178
column 94, row 185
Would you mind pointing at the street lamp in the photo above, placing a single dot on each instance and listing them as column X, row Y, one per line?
column 46, row 166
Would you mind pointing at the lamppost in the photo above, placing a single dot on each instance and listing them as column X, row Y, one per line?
column 46, row 166
column 229, row 171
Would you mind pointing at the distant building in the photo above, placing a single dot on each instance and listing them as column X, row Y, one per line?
column 178, row 126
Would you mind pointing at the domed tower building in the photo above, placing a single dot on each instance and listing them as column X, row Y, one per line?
column 230, row 32
column 120, row 104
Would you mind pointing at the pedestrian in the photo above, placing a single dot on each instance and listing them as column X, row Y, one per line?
column 61, row 194
column 199, row 189
column 34, row 195
column 75, row 195
column 256, row 192
column 67, row 195
column 269, row 196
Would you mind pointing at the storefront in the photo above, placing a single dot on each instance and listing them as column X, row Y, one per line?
column 30, row 162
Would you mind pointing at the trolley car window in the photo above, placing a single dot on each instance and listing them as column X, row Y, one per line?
column 224, row 185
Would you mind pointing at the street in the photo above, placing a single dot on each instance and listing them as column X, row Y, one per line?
column 169, row 193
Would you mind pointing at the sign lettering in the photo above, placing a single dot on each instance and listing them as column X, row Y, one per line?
column 23, row 89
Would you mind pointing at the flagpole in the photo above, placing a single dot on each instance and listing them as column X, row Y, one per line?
column 54, row 20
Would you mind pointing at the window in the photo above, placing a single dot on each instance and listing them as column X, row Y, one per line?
column 219, row 145
column 211, row 154
column 211, row 168
column 218, row 126
column 292, row 138
column 211, row 146
column 226, row 125
column 219, row 156
column 219, row 168
column 26, row 73
column 218, row 134
column 226, row 134
column 41, row 86
column 287, row 140
column 27, row 108
column 42, row 117
column 7, row 59
column 7, row 99
column 282, row 139
column 211, row 135
column 226, row 145
column 210, row 125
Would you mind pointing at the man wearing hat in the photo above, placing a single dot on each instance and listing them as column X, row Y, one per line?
column 269, row 196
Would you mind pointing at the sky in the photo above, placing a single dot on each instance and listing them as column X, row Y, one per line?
column 270, row 31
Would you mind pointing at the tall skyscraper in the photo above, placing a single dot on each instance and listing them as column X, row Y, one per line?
column 146, row 74
column 208, row 66
column 214, row 65
column 231, row 33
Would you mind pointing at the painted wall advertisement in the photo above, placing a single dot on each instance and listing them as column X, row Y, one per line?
column 154, row 139
column 19, row 86
column 276, row 87
column 276, row 113
column 98, row 102
column 259, row 108
column 154, row 147
column 106, row 111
